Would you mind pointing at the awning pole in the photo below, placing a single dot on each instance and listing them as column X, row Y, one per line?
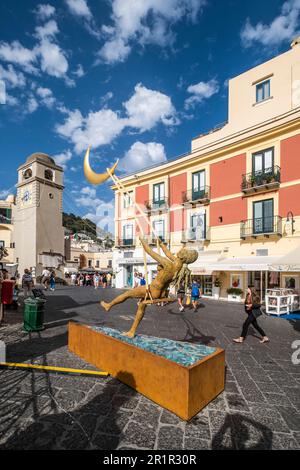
column 261, row 285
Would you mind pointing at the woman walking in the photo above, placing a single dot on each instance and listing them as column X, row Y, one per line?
column 52, row 281
column 180, row 297
column 252, row 308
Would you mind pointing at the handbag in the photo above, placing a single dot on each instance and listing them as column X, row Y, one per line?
column 256, row 311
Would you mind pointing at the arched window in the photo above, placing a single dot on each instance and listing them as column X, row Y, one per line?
column 49, row 175
column 27, row 174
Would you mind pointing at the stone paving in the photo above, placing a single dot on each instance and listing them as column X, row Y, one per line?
column 260, row 408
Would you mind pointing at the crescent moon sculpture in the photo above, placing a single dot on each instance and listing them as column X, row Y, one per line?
column 91, row 176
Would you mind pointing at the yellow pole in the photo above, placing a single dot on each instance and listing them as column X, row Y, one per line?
column 52, row 368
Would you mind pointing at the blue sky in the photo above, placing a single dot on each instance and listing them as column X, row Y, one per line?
column 136, row 79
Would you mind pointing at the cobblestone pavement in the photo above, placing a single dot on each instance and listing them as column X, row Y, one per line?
column 260, row 408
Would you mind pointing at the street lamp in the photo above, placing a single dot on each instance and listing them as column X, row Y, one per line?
column 290, row 221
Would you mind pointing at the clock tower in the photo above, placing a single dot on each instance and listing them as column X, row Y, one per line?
column 39, row 233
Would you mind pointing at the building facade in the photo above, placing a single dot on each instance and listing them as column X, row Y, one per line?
column 235, row 197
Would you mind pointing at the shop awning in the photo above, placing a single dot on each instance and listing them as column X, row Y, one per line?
column 251, row 263
column 205, row 263
column 208, row 265
column 289, row 262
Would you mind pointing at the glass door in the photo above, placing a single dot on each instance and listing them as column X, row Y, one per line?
column 262, row 164
column 198, row 226
column 263, row 216
column 159, row 229
column 198, row 185
column 128, row 234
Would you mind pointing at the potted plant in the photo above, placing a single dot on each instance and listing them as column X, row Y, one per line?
column 234, row 294
column 216, row 288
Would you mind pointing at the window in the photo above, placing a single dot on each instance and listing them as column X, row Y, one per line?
column 2, row 244
column 159, row 229
column 159, row 193
column 110, row 263
column 90, row 263
column 263, row 216
column 263, row 162
column 97, row 263
column 128, row 234
column 198, row 226
column 5, row 216
column 198, row 184
column 49, row 175
column 27, row 174
column 262, row 91
column 128, row 199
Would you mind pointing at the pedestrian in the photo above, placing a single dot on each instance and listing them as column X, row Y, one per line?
column 73, row 279
column 81, row 280
column 195, row 295
column 52, row 281
column 27, row 283
column 104, row 280
column 142, row 280
column 88, row 280
column 108, row 277
column 96, row 280
column 136, row 279
column 253, row 310
column 46, row 278
column 180, row 297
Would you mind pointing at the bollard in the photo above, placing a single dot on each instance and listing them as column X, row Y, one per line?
column 2, row 351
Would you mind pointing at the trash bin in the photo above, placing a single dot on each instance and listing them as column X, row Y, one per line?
column 33, row 317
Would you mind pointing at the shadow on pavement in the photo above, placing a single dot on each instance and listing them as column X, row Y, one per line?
column 98, row 424
column 236, row 429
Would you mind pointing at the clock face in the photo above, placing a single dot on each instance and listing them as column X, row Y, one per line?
column 26, row 195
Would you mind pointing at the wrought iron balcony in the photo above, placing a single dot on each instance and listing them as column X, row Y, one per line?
column 152, row 240
column 192, row 196
column 195, row 234
column 262, row 226
column 261, row 180
column 125, row 242
column 159, row 205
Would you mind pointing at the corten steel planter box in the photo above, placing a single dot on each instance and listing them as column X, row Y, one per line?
column 182, row 390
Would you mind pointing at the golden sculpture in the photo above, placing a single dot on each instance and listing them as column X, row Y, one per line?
column 172, row 269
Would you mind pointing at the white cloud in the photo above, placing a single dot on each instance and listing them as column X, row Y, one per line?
column 52, row 59
column 79, row 8
column 141, row 156
column 144, row 22
column 17, row 54
column 11, row 100
column 11, row 77
column 44, row 11
column 283, row 27
column 32, row 105
column 4, row 193
column 201, row 91
column 98, row 128
column 63, row 158
column 145, row 109
column 79, row 72
column 46, row 96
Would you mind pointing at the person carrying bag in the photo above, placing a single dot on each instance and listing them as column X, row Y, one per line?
column 253, row 310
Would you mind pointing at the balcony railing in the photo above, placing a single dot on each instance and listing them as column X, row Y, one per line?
column 195, row 234
column 261, row 180
column 157, row 205
column 202, row 195
column 266, row 226
column 125, row 242
column 152, row 240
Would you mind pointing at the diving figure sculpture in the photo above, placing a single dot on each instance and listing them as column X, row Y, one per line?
column 172, row 269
